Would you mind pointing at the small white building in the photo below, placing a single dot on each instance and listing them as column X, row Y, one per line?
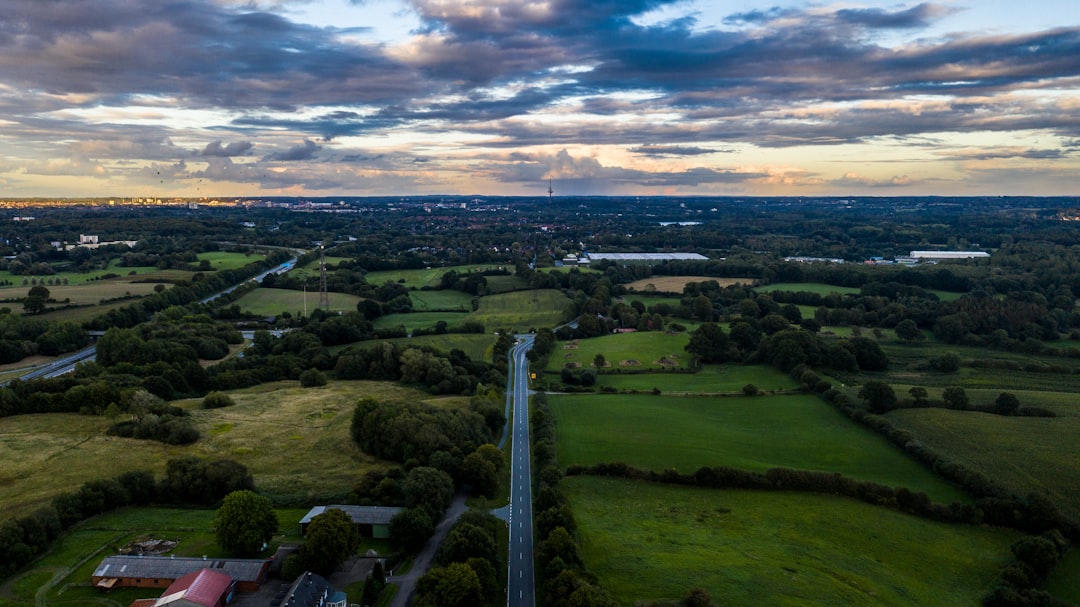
column 949, row 254
column 88, row 239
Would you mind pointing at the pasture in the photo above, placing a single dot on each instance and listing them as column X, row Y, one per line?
column 428, row 277
column 418, row 320
column 272, row 302
column 520, row 311
column 639, row 351
column 1025, row 454
column 807, row 287
column 749, row 433
column 676, row 284
column 280, row 431
column 750, row 548
column 227, row 260
column 447, row 299
column 710, row 379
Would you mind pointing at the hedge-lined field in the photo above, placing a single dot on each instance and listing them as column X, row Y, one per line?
column 749, row 433
column 749, row 548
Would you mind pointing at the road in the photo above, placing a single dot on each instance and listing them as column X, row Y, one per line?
column 520, row 587
column 67, row 364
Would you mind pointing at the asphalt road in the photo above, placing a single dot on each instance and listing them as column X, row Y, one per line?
column 67, row 364
column 521, row 586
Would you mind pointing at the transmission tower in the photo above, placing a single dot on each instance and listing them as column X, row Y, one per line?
column 324, row 297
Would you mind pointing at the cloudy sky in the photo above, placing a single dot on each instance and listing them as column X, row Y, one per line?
column 636, row 97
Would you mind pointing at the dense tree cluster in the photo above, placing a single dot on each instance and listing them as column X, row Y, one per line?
column 415, row 431
column 468, row 560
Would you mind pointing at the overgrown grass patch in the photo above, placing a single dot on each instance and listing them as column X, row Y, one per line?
column 750, row 548
column 479, row 346
column 1025, row 454
column 48, row 454
column 446, row 299
column 419, row 320
column 750, row 433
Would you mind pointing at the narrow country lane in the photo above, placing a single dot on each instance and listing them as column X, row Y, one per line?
column 520, row 579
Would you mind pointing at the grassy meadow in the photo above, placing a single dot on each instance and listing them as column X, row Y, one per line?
column 430, row 301
column 710, row 379
column 676, row 284
column 428, row 277
column 750, row 433
column 1025, row 454
column 751, row 548
column 419, row 320
column 280, row 431
column 272, row 302
column 521, row 310
column 479, row 346
column 639, row 351
column 227, row 260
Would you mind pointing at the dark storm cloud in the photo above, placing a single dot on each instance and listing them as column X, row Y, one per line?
column 916, row 16
column 236, row 148
column 308, row 150
column 660, row 151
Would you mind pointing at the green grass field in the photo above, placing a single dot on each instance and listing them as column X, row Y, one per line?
column 750, row 548
column 428, row 277
column 280, row 431
column 807, row 287
column 505, row 284
column 272, row 302
column 1023, row 453
column 1064, row 581
column 226, row 260
column 427, row 301
column 758, row 433
column 711, row 378
column 521, row 310
column 630, row 351
column 418, row 320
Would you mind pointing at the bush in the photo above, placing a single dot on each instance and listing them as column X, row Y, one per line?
column 217, row 400
column 312, row 378
column 750, row 390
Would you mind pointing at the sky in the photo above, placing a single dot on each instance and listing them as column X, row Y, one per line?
column 226, row 98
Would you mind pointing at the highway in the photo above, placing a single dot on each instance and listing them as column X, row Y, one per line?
column 62, row 366
column 520, row 588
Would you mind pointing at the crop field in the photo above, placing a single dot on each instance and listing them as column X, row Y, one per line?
column 675, row 284
column 428, row 277
column 750, row 433
column 1025, row 454
column 639, row 351
column 429, row 301
column 747, row 548
column 710, row 379
column 418, row 320
column 521, row 310
column 63, row 575
column 280, row 431
column 272, row 302
column 225, row 260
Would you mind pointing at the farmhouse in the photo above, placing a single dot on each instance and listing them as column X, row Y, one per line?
column 202, row 588
column 371, row 521
column 312, row 590
column 120, row 571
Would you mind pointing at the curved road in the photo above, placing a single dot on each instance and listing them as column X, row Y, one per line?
column 520, row 584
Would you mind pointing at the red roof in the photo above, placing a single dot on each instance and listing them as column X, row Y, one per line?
column 202, row 587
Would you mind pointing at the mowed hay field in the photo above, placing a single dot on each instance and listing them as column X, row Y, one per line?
column 748, row 548
column 1025, row 454
column 284, row 434
column 750, row 433
column 675, row 284
column 272, row 302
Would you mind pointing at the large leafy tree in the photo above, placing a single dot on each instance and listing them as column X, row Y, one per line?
column 245, row 523
column 709, row 343
column 331, row 539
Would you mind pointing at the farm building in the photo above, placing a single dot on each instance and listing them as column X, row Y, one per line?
column 120, row 571
column 312, row 590
column 371, row 521
column 949, row 254
column 202, row 588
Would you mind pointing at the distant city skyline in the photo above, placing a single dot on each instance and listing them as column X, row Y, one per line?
column 220, row 98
